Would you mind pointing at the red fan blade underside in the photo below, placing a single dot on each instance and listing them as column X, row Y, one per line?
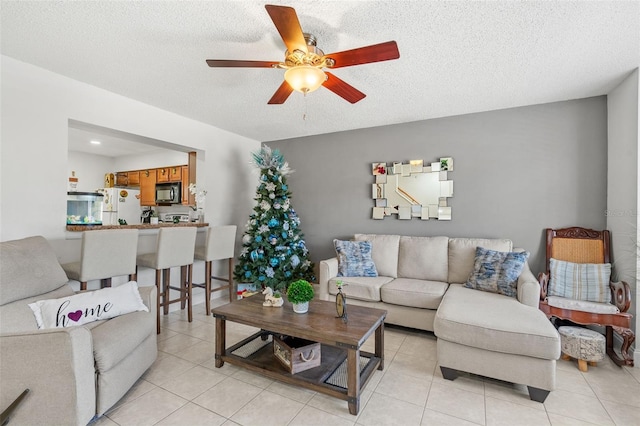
column 342, row 89
column 281, row 94
column 365, row 55
column 286, row 21
column 230, row 63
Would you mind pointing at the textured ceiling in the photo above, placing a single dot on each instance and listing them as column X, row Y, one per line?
column 455, row 57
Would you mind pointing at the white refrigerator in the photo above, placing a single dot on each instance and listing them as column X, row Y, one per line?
column 120, row 203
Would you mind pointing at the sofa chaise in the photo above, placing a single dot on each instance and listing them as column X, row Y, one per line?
column 75, row 373
column 420, row 282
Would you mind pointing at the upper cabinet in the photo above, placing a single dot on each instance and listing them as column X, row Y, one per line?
column 148, row 187
column 134, row 178
column 175, row 173
column 163, row 174
column 147, row 179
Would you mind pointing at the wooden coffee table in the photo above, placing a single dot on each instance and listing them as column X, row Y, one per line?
column 340, row 344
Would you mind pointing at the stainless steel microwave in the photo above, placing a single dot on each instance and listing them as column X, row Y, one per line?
column 168, row 193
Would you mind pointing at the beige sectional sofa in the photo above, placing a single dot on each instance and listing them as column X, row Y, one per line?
column 74, row 374
column 420, row 285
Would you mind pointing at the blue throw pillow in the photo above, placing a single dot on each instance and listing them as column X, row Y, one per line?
column 497, row 271
column 354, row 259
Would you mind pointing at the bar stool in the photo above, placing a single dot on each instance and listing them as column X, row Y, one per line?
column 219, row 245
column 175, row 247
column 105, row 254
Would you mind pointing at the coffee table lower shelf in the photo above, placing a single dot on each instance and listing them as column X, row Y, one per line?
column 255, row 353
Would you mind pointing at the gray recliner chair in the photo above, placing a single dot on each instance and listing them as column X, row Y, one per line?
column 74, row 374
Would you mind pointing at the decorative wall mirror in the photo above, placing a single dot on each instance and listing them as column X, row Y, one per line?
column 412, row 189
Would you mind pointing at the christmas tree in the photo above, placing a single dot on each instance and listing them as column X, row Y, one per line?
column 273, row 248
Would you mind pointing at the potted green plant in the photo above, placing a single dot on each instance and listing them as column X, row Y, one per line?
column 300, row 293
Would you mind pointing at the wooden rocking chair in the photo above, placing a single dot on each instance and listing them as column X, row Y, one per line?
column 581, row 245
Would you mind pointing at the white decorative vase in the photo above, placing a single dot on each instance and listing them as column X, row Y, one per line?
column 301, row 308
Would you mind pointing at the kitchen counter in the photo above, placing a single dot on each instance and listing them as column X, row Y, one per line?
column 82, row 228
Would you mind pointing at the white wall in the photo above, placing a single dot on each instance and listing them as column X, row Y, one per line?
column 622, row 187
column 36, row 108
column 89, row 169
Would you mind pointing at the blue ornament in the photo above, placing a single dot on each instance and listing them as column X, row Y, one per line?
column 247, row 274
column 262, row 278
column 274, row 178
column 263, row 178
column 284, row 187
column 273, row 222
column 254, row 255
column 258, row 238
column 274, row 261
column 287, row 274
column 284, row 234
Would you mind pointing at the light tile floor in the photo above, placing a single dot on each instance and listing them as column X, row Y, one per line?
column 183, row 387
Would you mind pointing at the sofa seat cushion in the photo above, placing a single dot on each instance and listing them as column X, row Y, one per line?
column 495, row 323
column 116, row 338
column 424, row 258
column 414, row 293
column 361, row 288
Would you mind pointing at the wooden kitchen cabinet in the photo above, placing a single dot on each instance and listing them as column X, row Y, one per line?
column 148, row 187
column 175, row 173
column 122, row 179
column 133, row 178
column 162, row 174
column 184, row 176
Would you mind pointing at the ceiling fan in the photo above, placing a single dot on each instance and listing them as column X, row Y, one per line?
column 304, row 61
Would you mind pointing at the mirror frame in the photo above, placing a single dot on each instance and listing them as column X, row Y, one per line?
column 381, row 171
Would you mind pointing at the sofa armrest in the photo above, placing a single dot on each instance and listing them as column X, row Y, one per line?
column 328, row 270
column 528, row 288
column 57, row 366
column 148, row 295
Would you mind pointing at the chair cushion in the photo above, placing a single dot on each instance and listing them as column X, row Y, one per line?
column 497, row 271
column 424, row 258
column 581, row 281
column 361, row 288
column 582, row 305
column 495, row 323
column 354, row 259
column 415, row 293
column 462, row 252
column 384, row 252
column 88, row 306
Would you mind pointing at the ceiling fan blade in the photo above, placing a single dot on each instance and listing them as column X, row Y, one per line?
column 230, row 63
column 281, row 94
column 342, row 89
column 286, row 21
column 364, row 55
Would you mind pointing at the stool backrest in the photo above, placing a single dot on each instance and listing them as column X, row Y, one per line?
column 220, row 243
column 175, row 246
column 108, row 253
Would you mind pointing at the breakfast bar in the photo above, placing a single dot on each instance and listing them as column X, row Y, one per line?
column 141, row 226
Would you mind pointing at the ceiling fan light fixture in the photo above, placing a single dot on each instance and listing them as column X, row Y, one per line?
column 305, row 78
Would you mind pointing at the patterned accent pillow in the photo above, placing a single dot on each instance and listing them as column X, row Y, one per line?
column 354, row 259
column 580, row 281
column 497, row 271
